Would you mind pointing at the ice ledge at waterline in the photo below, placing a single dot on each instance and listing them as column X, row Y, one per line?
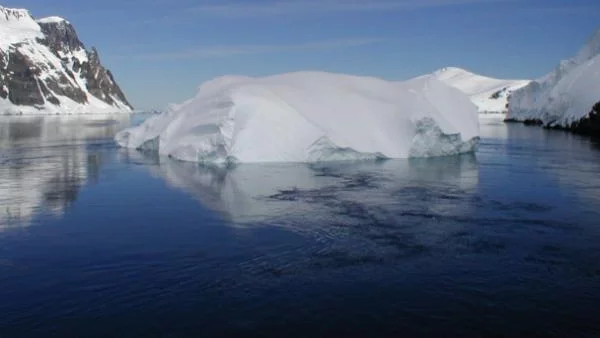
column 311, row 117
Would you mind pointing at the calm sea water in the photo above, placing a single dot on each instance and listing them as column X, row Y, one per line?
column 97, row 241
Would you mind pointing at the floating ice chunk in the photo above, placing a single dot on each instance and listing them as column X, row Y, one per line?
column 311, row 117
column 431, row 141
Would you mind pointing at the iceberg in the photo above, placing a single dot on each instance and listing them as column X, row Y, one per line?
column 311, row 117
column 566, row 98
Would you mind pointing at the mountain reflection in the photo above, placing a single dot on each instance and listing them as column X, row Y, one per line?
column 301, row 195
column 44, row 161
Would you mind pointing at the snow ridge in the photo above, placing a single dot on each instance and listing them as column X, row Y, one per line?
column 490, row 95
column 12, row 14
column 17, row 25
column 52, row 19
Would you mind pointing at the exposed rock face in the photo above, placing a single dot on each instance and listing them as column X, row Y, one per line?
column 59, row 36
column 21, row 80
column 100, row 81
column 45, row 68
column 590, row 124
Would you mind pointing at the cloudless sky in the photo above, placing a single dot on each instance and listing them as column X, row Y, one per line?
column 161, row 50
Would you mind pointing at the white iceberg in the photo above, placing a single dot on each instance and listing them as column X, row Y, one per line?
column 564, row 97
column 311, row 117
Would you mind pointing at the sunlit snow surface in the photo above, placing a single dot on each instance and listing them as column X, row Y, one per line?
column 17, row 25
column 488, row 94
column 311, row 117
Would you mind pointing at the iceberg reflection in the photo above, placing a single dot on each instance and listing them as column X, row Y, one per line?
column 302, row 195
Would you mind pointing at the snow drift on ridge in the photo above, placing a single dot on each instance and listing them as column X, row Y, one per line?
column 311, row 117
column 565, row 96
column 488, row 94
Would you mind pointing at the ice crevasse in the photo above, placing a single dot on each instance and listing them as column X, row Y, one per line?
column 311, row 117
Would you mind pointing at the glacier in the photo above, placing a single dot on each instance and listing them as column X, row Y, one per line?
column 565, row 98
column 311, row 117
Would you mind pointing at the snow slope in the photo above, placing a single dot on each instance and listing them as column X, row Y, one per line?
column 566, row 95
column 488, row 94
column 56, row 70
column 309, row 117
column 17, row 25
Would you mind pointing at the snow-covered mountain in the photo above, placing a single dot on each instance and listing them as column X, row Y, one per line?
column 46, row 69
column 568, row 97
column 311, row 117
column 488, row 94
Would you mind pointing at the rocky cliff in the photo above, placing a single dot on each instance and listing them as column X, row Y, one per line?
column 46, row 69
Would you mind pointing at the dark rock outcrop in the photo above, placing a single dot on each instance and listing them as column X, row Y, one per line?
column 60, row 36
column 22, row 80
column 100, row 81
column 589, row 125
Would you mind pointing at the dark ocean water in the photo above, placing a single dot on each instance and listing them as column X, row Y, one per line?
column 97, row 241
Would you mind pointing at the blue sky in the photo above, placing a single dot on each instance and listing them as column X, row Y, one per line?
column 161, row 50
